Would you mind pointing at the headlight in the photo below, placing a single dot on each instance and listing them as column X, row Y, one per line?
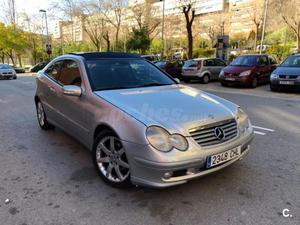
column 274, row 76
column 245, row 73
column 243, row 120
column 179, row 142
column 163, row 141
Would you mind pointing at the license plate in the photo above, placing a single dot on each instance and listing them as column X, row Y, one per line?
column 288, row 82
column 222, row 157
column 230, row 78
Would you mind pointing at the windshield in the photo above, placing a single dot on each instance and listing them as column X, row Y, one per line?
column 124, row 73
column 5, row 66
column 292, row 61
column 190, row 63
column 246, row 60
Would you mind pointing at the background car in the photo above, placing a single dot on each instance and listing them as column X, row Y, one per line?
column 287, row 75
column 151, row 58
column 38, row 67
column 19, row 69
column 7, row 72
column 248, row 70
column 202, row 69
column 174, row 68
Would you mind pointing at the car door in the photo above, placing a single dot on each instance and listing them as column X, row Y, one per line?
column 71, row 107
column 50, row 91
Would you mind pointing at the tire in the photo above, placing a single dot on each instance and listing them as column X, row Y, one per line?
column 254, row 82
column 15, row 78
column 186, row 80
column 42, row 118
column 275, row 89
column 224, row 84
column 205, row 79
column 110, row 160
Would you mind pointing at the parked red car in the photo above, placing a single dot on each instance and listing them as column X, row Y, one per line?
column 248, row 70
column 173, row 68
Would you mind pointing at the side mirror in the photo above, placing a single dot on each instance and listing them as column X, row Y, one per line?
column 72, row 90
column 177, row 80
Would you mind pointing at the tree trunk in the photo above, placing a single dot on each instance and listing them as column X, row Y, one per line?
column 117, row 36
column 106, row 38
column 20, row 60
column 298, row 37
column 190, row 42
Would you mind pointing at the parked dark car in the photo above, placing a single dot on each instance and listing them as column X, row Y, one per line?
column 173, row 68
column 38, row 67
column 19, row 69
column 287, row 75
column 248, row 70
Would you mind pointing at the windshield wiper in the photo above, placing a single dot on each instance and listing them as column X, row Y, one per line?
column 152, row 85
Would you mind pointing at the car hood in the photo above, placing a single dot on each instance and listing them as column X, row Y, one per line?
column 177, row 108
column 7, row 71
column 287, row 71
column 237, row 69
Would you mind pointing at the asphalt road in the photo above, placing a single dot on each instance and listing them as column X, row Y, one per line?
column 49, row 179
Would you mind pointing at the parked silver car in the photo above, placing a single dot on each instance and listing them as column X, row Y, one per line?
column 140, row 124
column 202, row 69
column 7, row 72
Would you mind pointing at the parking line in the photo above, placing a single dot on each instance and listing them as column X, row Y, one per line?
column 263, row 128
column 260, row 133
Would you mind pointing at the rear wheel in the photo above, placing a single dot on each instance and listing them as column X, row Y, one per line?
column 205, row 79
column 186, row 80
column 42, row 118
column 110, row 160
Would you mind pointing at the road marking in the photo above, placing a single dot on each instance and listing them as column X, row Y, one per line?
column 260, row 133
column 263, row 128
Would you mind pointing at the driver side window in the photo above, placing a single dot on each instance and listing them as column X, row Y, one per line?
column 70, row 73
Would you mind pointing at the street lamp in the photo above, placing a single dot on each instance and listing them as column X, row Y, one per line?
column 163, row 29
column 264, row 26
column 45, row 14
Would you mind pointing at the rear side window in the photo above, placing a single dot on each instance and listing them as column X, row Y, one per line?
column 191, row 63
column 263, row 60
column 220, row 63
column 53, row 70
column 70, row 73
column 209, row 62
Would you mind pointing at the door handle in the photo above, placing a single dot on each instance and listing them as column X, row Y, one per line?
column 52, row 89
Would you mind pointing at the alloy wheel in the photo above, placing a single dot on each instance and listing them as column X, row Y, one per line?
column 40, row 114
column 111, row 159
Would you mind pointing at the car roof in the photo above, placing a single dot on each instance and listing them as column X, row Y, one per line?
column 107, row 55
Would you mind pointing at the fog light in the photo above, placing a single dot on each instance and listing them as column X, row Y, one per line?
column 190, row 171
column 168, row 175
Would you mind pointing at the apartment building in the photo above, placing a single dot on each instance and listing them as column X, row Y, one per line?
column 213, row 17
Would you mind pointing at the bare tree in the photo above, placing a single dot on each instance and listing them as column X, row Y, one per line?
column 144, row 16
column 290, row 14
column 189, row 14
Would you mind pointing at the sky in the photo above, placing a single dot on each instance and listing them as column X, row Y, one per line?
column 31, row 7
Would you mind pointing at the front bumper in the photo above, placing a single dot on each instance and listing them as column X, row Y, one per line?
column 276, row 85
column 150, row 171
column 244, row 81
column 7, row 76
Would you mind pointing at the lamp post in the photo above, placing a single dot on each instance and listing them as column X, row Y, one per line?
column 48, row 46
column 264, row 26
column 163, row 30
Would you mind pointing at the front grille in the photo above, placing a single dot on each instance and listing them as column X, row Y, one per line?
column 291, row 77
column 6, row 73
column 205, row 135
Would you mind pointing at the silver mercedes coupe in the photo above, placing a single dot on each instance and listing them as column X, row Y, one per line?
column 142, row 126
